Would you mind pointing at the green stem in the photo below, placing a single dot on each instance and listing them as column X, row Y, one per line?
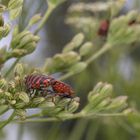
column 45, row 18
column 12, row 67
column 67, row 75
column 74, row 116
column 104, row 49
column 8, row 121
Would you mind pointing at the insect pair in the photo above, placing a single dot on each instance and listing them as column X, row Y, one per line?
column 42, row 85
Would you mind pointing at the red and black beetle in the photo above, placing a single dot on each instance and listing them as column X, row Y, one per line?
column 38, row 84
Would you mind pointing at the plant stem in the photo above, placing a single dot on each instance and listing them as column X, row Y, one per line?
column 20, row 132
column 74, row 116
column 8, row 120
column 104, row 49
column 12, row 67
column 45, row 18
column 67, row 75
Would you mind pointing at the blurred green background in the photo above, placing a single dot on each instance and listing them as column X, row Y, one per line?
column 120, row 67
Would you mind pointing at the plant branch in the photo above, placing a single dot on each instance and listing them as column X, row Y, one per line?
column 45, row 18
column 104, row 49
column 74, row 116
column 8, row 120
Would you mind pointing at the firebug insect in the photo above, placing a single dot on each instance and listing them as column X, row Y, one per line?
column 103, row 28
column 42, row 85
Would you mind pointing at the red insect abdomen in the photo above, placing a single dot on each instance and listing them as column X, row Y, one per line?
column 62, row 88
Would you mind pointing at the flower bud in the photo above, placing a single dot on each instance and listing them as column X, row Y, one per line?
column 12, row 87
column 12, row 102
column 117, row 104
column 73, row 106
column 30, row 47
column 18, row 52
column 102, row 105
column 61, row 62
column 3, row 84
column 24, row 97
column 128, row 111
column 20, row 105
column 34, row 19
column 75, row 42
column 77, row 68
column 67, row 58
column 86, row 49
column 13, row 4
column 107, row 89
column 132, row 15
column 104, row 92
column 21, row 113
column 37, row 101
column 27, row 40
column 63, row 102
column 4, row 30
column 18, row 37
column 19, row 69
column 46, row 104
column 96, row 89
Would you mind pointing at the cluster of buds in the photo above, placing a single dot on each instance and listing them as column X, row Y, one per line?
column 100, row 100
column 123, row 31
column 23, row 43
column 13, row 95
column 92, row 25
column 69, row 59
column 15, row 7
column 59, row 106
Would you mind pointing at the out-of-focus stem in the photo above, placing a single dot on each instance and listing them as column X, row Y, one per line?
column 8, row 120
